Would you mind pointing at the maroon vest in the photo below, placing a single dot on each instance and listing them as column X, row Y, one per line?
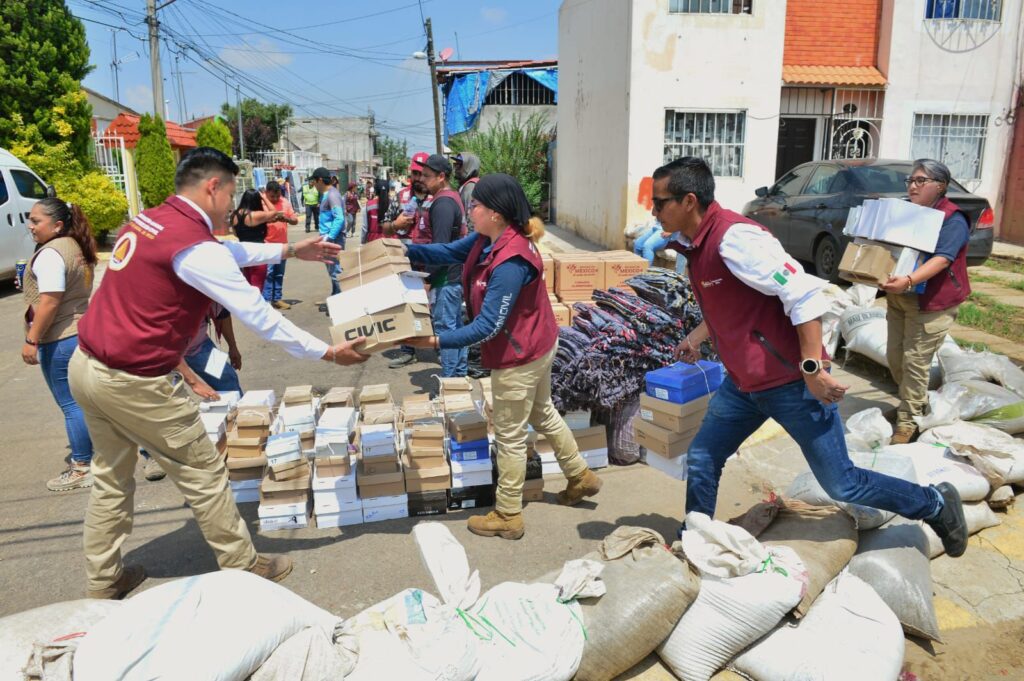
column 423, row 232
column 530, row 330
column 143, row 316
column 949, row 287
column 755, row 339
column 373, row 231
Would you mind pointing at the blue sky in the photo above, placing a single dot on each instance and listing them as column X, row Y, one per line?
column 332, row 58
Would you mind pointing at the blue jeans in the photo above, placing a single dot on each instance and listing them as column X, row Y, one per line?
column 734, row 415
column 197, row 362
column 53, row 359
column 648, row 243
column 333, row 268
column 273, row 287
column 447, row 316
column 350, row 223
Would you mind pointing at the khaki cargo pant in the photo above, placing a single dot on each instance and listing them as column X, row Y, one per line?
column 523, row 395
column 914, row 338
column 124, row 412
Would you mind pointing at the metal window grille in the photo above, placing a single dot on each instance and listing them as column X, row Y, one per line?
column 520, row 89
column 717, row 137
column 977, row 10
column 851, row 117
column 710, row 6
column 957, row 140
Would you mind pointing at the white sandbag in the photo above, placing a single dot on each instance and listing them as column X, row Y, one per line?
column 445, row 560
column 18, row 632
column 867, row 431
column 1001, row 498
column 410, row 636
column 931, row 467
column 840, row 300
column 978, row 516
column 977, row 401
column 218, row 626
column 307, row 656
column 866, row 332
column 894, row 562
column 997, row 455
column 849, row 634
column 745, row 590
column 962, row 365
column 805, row 487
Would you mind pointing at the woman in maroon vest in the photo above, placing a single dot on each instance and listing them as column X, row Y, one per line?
column 923, row 304
column 503, row 285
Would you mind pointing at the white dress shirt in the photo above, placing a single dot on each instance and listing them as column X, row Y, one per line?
column 755, row 257
column 212, row 268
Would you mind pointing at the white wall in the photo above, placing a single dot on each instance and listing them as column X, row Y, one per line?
column 704, row 62
column 931, row 71
column 593, row 136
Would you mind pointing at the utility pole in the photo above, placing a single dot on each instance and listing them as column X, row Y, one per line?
column 433, row 85
column 241, row 133
column 154, row 58
column 114, row 67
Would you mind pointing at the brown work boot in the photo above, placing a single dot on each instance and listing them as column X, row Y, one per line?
column 281, row 305
column 272, row 567
column 585, row 485
column 131, row 577
column 497, row 524
column 903, row 435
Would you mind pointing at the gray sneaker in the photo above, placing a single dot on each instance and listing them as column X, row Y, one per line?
column 152, row 470
column 74, row 477
column 401, row 361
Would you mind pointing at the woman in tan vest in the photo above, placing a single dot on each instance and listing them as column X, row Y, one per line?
column 57, row 284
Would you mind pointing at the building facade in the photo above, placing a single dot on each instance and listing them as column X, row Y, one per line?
column 758, row 87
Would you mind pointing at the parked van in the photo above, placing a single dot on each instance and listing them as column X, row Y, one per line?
column 20, row 188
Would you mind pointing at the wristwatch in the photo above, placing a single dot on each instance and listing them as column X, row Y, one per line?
column 291, row 250
column 811, row 367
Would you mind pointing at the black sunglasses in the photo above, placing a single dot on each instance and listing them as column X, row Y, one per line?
column 659, row 203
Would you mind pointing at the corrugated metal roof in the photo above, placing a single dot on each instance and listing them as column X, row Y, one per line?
column 832, row 75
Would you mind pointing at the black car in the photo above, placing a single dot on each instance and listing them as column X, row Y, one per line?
column 807, row 208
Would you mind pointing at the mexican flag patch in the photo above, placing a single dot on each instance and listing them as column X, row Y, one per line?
column 784, row 273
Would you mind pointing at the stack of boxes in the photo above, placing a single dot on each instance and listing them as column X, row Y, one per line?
column 574, row 277
column 379, row 471
column 244, row 444
column 382, row 299
column 592, row 442
column 284, row 492
column 298, row 415
column 427, row 473
column 469, row 448
column 671, row 412
column 456, row 395
column 335, row 500
column 890, row 236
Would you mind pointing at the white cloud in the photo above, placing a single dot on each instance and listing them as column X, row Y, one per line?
column 256, row 55
column 139, row 97
column 493, row 15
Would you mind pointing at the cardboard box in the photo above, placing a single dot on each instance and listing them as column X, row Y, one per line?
column 433, row 458
column 373, row 250
column 387, row 328
column 472, row 473
column 533, row 490
column 427, row 503
column 369, row 272
column 252, row 422
column 391, row 507
column 620, row 266
column 674, row 467
column 298, row 503
column 427, row 433
column 455, row 385
column 258, row 398
column 549, row 272
column 379, row 465
column 244, row 448
column 873, row 262
column 328, row 502
column 245, row 496
column 289, row 470
column 578, row 419
column 298, row 394
column 467, row 426
column 473, row 450
column 672, row 416
column 427, row 479
column 373, row 394
column 379, row 414
column 481, row 496
column 417, row 411
column 338, row 397
column 332, row 467
column 456, row 402
column 563, row 317
column 577, row 274
column 380, row 479
column 660, row 440
column 215, row 424
column 292, row 522
column 283, row 448
column 271, row 486
column 237, row 485
column 329, row 520
column 226, row 404
column 391, row 292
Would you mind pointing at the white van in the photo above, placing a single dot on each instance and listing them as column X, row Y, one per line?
column 20, row 188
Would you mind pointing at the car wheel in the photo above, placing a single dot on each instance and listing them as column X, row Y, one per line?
column 826, row 259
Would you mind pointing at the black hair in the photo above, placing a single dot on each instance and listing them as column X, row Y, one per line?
column 689, row 175
column 75, row 224
column 249, row 202
column 198, row 164
column 273, row 186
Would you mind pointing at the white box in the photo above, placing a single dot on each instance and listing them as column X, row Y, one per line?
column 330, row 445
column 377, row 434
column 237, row 485
column 336, row 501
column 382, row 294
column 382, row 502
column 596, row 458
column 338, row 482
column 258, row 398
column 215, row 423
column 674, row 467
column 274, row 510
column 228, row 401
column 283, row 448
column 474, row 479
column 475, row 466
column 338, row 418
column 897, row 222
column 328, row 520
column 298, row 415
column 372, row 515
column 246, row 496
column 370, row 452
column 577, row 420
column 284, row 522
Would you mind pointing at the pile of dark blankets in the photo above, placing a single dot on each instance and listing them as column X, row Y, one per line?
column 603, row 356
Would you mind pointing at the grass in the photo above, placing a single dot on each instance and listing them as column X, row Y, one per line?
column 1017, row 284
column 985, row 313
column 970, row 345
column 1004, row 265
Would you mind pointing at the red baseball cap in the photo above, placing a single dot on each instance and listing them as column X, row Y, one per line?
column 418, row 159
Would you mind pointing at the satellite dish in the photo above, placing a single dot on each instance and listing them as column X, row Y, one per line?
column 446, row 54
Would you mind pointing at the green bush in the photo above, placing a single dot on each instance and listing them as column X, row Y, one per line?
column 155, row 161
column 102, row 202
column 214, row 134
column 514, row 147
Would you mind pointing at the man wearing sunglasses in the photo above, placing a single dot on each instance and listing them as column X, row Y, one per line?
column 763, row 313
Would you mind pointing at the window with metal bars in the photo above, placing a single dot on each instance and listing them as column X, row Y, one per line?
column 522, row 90
column 957, row 140
column 717, row 137
column 981, row 10
column 710, row 6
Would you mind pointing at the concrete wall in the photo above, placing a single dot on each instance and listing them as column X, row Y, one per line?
column 938, row 67
column 702, row 63
column 340, row 139
column 593, row 104
column 490, row 113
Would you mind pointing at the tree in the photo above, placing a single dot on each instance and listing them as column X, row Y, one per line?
column 215, row 134
column 514, row 147
column 155, row 161
column 394, row 154
column 261, row 123
column 43, row 58
column 101, row 200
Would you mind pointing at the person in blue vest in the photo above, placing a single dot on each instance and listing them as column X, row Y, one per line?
column 763, row 313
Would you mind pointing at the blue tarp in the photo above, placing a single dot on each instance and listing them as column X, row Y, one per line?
column 467, row 92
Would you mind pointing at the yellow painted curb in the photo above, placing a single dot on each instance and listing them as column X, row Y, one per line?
column 951, row 616
column 768, row 431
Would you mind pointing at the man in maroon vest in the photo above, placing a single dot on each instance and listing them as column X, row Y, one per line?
column 165, row 269
column 763, row 314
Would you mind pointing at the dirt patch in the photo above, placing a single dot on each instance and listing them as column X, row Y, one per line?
column 982, row 653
